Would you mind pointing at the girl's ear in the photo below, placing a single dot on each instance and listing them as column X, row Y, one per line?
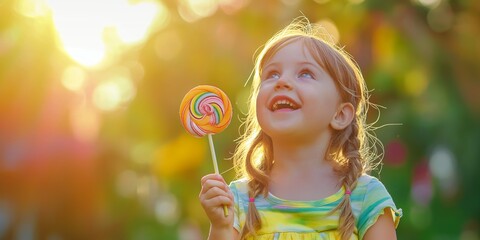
column 343, row 117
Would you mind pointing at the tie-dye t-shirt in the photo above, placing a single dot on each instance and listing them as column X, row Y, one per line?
column 285, row 219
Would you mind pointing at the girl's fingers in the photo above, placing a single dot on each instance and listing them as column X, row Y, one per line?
column 211, row 183
column 213, row 176
column 214, row 192
column 218, row 201
column 215, row 197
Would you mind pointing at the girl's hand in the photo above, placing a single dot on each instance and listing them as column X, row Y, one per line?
column 214, row 195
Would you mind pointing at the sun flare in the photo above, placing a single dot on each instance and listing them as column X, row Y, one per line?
column 91, row 32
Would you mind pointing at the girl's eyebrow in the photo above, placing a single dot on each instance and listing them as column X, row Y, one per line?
column 314, row 64
column 274, row 64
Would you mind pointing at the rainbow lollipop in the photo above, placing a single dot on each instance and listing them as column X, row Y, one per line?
column 206, row 110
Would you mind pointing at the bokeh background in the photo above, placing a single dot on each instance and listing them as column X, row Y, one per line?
column 91, row 146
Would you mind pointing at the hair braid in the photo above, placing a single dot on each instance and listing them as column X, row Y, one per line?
column 258, row 184
column 351, row 169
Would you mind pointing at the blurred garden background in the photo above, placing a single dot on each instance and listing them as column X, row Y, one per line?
column 91, row 145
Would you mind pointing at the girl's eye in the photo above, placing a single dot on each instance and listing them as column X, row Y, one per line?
column 272, row 75
column 306, row 74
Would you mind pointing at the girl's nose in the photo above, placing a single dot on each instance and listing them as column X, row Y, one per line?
column 283, row 83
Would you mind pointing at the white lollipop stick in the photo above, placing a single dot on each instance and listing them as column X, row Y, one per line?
column 212, row 150
column 215, row 166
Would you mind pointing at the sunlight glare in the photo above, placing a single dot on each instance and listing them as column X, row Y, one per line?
column 331, row 29
column 232, row 6
column 192, row 10
column 73, row 78
column 106, row 96
column 168, row 45
column 113, row 92
column 31, row 8
column 143, row 153
column 133, row 21
column 82, row 26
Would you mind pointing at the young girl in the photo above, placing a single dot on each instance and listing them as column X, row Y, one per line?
column 304, row 156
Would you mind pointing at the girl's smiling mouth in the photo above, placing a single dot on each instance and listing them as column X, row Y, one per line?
column 283, row 103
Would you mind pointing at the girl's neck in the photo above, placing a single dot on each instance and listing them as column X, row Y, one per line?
column 301, row 152
column 300, row 171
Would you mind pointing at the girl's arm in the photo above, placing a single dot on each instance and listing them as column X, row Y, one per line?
column 220, row 234
column 383, row 228
column 236, row 235
column 214, row 195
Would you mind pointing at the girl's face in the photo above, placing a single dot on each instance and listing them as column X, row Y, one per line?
column 297, row 97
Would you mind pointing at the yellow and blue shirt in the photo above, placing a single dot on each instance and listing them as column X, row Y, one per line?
column 311, row 220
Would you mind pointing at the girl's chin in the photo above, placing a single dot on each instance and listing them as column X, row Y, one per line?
column 283, row 131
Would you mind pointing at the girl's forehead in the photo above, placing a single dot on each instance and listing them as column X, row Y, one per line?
column 291, row 49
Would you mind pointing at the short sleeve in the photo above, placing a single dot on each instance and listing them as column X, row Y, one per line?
column 375, row 201
column 236, row 206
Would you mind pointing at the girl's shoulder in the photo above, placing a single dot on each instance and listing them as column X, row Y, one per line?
column 239, row 186
column 369, row 200
column 368, row 189
column 367, row 183
column 241, row 182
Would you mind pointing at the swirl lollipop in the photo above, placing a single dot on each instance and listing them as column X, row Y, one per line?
column 206, row 110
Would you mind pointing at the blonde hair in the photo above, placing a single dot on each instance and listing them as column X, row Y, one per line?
column 351, row 150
